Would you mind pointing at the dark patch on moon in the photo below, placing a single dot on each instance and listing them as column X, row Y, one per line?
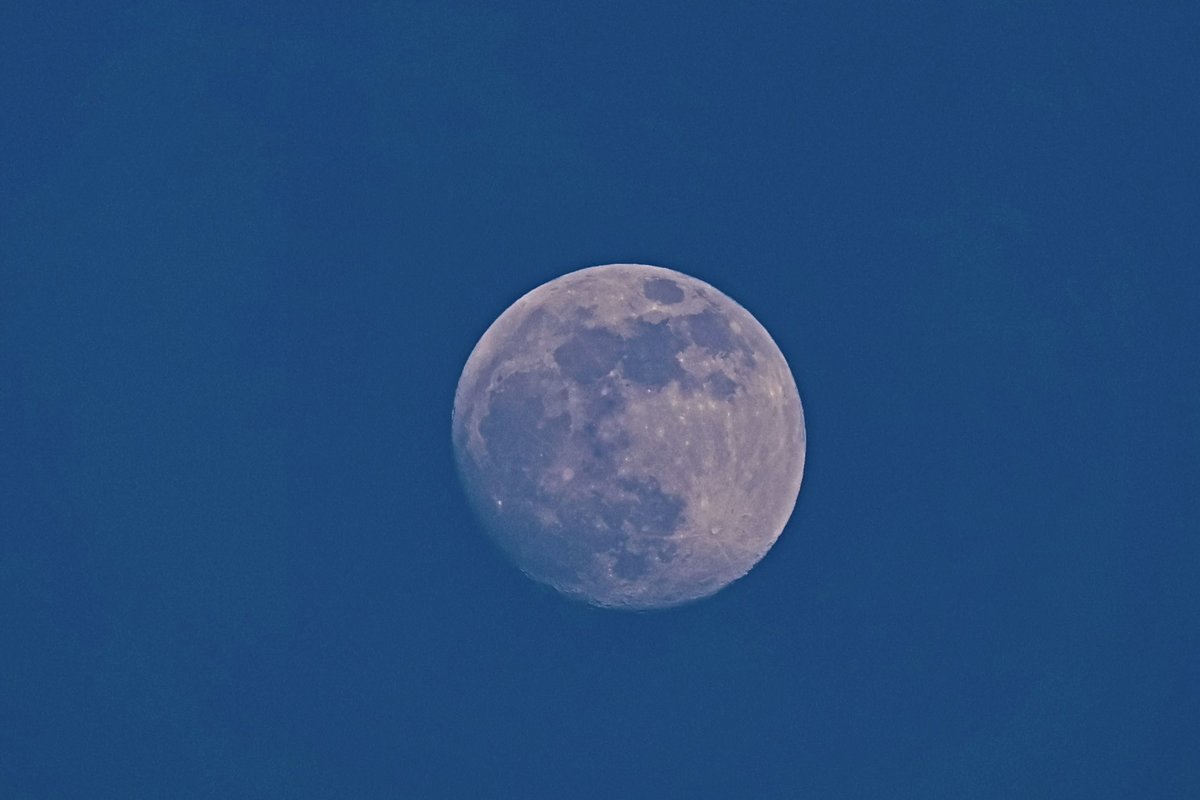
column 711, row 331
column 604, row 447
column 629, row 518
column 651, row 355
column 589, row 354
column 618, row 516
column 524, row 332
column 630, row 566
column 559, row 554
column 600, row 437
column 604, row 399
column 662, row 290
column 651, row 511
column 720, row 385
column 590, row 518
column 517, row 429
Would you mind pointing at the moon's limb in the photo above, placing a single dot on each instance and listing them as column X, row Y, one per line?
column 630, row 436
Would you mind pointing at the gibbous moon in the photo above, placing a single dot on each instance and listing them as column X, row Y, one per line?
column 630, row 436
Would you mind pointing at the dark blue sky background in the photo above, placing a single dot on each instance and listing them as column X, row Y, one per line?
column 245, row 250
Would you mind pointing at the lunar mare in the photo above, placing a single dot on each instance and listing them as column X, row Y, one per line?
column 630, row 436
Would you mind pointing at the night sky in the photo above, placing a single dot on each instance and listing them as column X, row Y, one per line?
column 246, row 249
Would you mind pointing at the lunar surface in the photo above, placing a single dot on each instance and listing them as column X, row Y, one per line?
column 630, row 436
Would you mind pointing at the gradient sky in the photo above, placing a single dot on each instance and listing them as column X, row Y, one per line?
column 246, row 248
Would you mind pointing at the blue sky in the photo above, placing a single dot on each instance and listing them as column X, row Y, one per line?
column 245, row 250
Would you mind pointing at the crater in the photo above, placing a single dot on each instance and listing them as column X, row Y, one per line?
column 662, row 290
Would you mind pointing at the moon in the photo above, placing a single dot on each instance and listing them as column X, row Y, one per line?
column 630, row 436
